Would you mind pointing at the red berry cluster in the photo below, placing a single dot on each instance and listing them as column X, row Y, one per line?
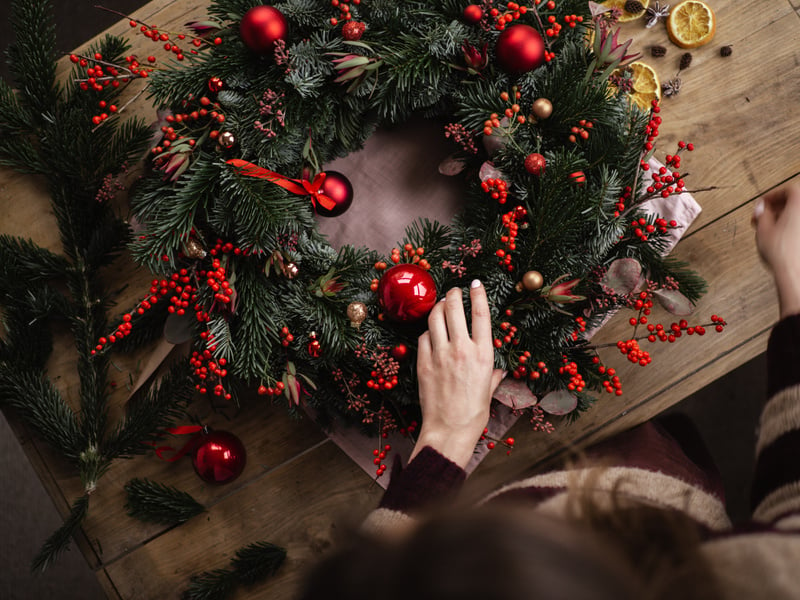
column 503, row 18
column 496, row 188
column 581, row 328
column 634, row 353
column 641, row 228
column 384, row 370
column 218, row 282
column 344, row 10
column 651, row 132
column 380, row 455
column 510, row 223
column 286, row 337
column 509, row 334
column 612, row 385
column 576, row 381
column 580, row 131
column 492, row 443
column 159, row 37
column 208, row 371
column 97, row 78
column 626, row 195
column 531, row 371
column 410, row 254
column 275, row 390
column 207, row 109
column 184, row 293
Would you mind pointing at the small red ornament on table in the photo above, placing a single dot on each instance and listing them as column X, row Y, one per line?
column 220, row 457
column 261, row 27
column 520, row 49
column 535, row 163
column 338, row 188
column 407, row 293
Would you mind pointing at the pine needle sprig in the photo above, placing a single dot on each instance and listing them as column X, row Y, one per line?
column 159, row 503
column 59, row 541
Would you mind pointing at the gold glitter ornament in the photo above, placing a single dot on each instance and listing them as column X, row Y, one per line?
column 356, row 312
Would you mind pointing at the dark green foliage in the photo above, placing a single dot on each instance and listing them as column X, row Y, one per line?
column 59, row 541
column 251, row 564
column 158, row 503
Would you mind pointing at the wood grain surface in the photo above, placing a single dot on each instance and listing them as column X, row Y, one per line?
column 299, row 490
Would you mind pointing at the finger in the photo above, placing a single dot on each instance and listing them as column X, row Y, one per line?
column 424, row 350
column 455, row 317
column 497, row 376
column 437, row 325
column 481, row 318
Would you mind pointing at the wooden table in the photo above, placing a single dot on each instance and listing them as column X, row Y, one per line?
column 299, row 490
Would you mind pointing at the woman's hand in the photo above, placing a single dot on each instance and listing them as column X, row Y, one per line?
column 456, row 376
column 777, row 220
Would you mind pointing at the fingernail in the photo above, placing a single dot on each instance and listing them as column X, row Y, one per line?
column 758, row 209
column 475, row 283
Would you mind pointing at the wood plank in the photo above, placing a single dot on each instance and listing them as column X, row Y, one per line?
column 303, row 506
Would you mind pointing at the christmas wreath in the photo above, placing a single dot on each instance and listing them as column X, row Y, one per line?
column 556, row 161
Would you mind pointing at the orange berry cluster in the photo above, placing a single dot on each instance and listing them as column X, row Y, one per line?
column 510, row 238
column 527, row 369
column 412, row 255
column 580, row 131
column 502, row 19
column 208, row 371
column 634, row 353
column 344, row 10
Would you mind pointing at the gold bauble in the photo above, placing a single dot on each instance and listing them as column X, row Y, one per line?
column 226, row 140
column 542, row 108
column 194, row 249
column 532, row 281
column 290, row 270
column 356, row 312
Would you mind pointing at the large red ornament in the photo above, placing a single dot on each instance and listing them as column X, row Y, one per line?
column 220, row 457
column 261, row 27
column 519, row 49
column 535, row 163
column 407, row 293
column 473, row 14
column 339, row 189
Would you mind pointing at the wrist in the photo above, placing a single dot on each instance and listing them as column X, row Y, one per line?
column 455, row 446
column 788, row 285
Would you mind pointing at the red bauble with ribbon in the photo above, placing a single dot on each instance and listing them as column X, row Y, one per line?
column 261, row 27
column 519, row 49
column 219, row 456
column 338, row 188
column 407, row 293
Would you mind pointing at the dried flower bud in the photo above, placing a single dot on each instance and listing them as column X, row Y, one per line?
column 686, row 60
column 634, row 7
column 658, row 51
column 725, row 51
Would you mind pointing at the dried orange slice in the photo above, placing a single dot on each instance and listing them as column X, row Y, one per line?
column 626, row 16
column 646, row 85
column 691, row 24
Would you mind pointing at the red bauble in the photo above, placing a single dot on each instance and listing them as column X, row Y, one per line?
column 473, row 14
column 261, row 27
column 220, row 457
column 578, row 178
column 338, row 188
column 215, row 84
column 407, row 293
column 399, row 352
column 353, row 30
column 519, row 49
column 535, row 163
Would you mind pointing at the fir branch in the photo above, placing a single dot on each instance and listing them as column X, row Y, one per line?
column 158, row 503
column 250, row 565
column 59, row 541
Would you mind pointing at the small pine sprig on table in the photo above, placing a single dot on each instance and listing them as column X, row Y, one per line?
column 251, row 564
column 159, row 503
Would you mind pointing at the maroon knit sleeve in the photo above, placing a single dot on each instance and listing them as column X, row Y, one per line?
column 426, row 480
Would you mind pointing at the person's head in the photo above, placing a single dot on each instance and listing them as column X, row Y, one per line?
column 508, row 554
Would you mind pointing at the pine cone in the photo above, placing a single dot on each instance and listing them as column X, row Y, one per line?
column 725, row 51
column 634, row 7
column 658, row 51
column 686, row 60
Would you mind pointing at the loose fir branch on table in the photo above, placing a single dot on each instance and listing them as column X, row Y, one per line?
column 555, row 144
column 45, row 135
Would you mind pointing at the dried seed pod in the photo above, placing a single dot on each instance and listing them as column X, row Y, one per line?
column 658, row 51
column 725, row 51
column 634, row 7
column 686, row 60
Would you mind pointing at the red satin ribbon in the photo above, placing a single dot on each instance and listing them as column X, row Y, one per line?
column 301, row 187
column 186, row 448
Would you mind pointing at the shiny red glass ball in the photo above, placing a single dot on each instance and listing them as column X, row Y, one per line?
column 339, row 189
column 407, row 293
column 220, row 457
column 519, row 49
column 261, row 27
column 473, row 14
